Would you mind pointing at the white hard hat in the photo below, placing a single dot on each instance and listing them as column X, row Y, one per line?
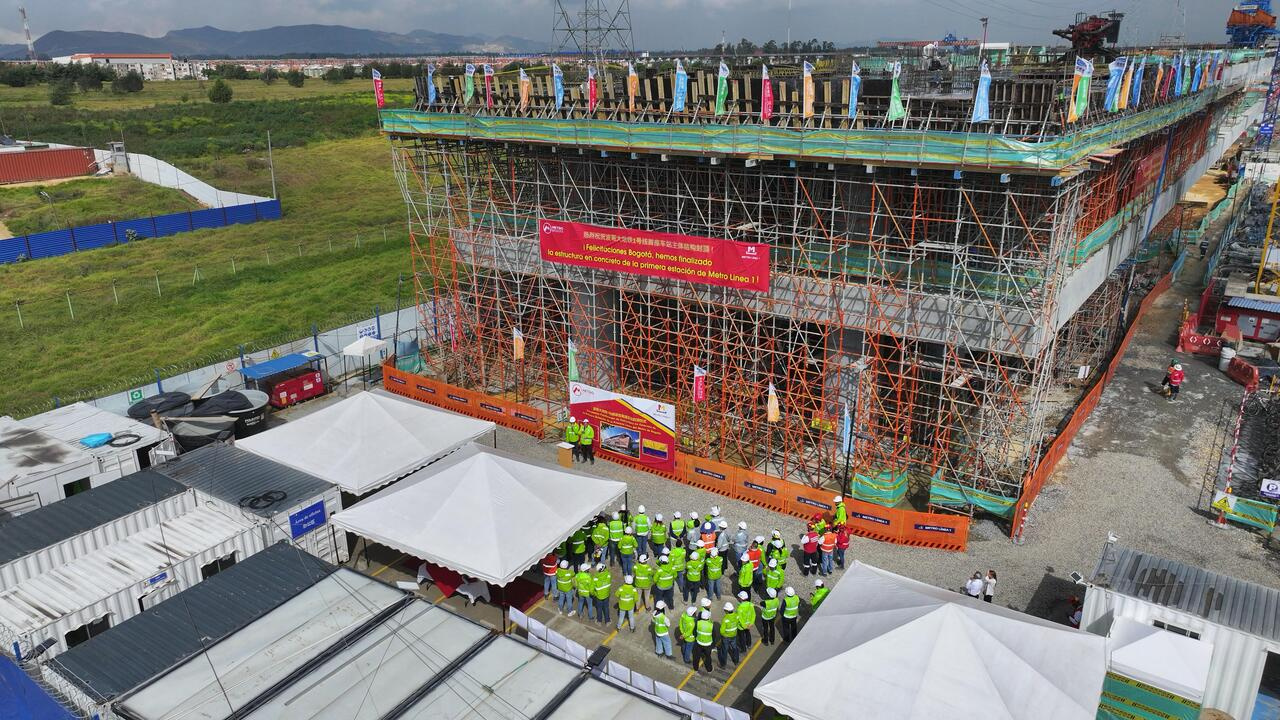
column 599, row 566
column 706, row 602
column 660, row 606
column 705, row 615
column 777, row 533
column 742, row 526
column 771, row 592
column 773, row 563
column 664, row 559
column 573, row 419
column 817, row 583
column 640, row 509
column 760, row 539
column 790, row 591
column 644, row 557
column 746, row 557
column 715, row 552
column 627, row 579
column 564, row 564
column 691, row 611
column 777, row 543
column 742, row 595
column 837, row 499
column 676, row 514
column 584, row 567
column 715, row 510
column 723, row 524
column 615, row 516
column 1177, row 366
column 728, row 607
column 628, row 530
column 693, row 555
column 666, row 551
column 658, row 517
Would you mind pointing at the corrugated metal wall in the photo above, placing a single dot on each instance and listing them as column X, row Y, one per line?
column 49, row 164
column 1238, row 658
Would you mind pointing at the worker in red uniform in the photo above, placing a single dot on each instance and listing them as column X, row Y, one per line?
column 1173, row 381
column 549, row 565
column 809, row 544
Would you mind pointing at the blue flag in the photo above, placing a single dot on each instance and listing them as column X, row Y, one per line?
column 681, row 89
column 1115, row 75
column 982, row 99
column 846, row 431
column 431, row 85
column 1135, row 95
column 855, row 88
column 1178, row 62
column 557, row 78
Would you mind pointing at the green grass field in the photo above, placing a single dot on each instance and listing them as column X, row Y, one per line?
column 329, row 191
column 85, row 202
column 196, row 92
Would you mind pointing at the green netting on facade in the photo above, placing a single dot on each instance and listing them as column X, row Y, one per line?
column 886, row 487
column 949, row 494
column 917, row 147
column 1124, row 698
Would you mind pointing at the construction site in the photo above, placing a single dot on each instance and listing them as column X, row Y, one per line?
column 953, row 286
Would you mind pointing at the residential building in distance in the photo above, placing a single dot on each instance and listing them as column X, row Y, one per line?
column 151, row 66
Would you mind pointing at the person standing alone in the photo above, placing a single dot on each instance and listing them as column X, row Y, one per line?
column 989, row 585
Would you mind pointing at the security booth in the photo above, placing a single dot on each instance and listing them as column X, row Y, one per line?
column 289, row 379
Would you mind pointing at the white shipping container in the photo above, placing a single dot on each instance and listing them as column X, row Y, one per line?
column 67, row 550
column 71, row 423
column 119, row 581
column 301, row 524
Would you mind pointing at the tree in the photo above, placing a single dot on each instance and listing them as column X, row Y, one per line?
column 220, row 92
column 333, row 75
column 348, row 72
column 746, row 47
column 60, row 92
column 269, row 75
column 771, row 47
column 130, row 82
column 295, row 78
column 89, row 82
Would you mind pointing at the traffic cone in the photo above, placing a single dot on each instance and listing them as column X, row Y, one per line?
column 1221, row 524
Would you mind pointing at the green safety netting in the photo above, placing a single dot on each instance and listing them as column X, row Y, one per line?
column 949, row 494
column 1254, row 513
column 867, row 145
column 1124, row 698
column 886, row 487
column 411, row 363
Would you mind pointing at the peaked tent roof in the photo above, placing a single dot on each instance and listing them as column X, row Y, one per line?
column 364, row 346
column 883, row 646
column 366, row 441
column 484, row 513
column 1160, row 658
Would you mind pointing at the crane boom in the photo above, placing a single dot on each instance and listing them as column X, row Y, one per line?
column 26, row 28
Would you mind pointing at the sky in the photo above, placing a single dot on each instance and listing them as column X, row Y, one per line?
column 656, row 23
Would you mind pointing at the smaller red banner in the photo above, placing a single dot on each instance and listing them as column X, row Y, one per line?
column 723, row 263
column 377, row 93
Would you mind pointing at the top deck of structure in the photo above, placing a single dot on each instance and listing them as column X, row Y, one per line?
column 1028, row 132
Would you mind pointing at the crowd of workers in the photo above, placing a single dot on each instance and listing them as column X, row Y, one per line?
column 697, row 556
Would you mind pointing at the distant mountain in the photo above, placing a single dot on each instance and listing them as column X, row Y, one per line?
column 211, row 42
column 13, row 52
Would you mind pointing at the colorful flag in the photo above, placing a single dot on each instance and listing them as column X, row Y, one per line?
column 1186, row 76
column 846, row 431
column 982, row 98
column 1115, row 77
column 1136, row 98
column 1222, row 66
column 469, row 84
column 807, row 101
column 633, row 87
column 896, row 110
column 1122, row 100
column 681, row 89
column 517, row 344
column 573, row 362
column 431, row 85
column 722, row 88
column 772, row 412
column 699, row 384
column 591, row 88
column 766, row 94
column 377, row 88
column 1198, row 75
column 526, row 87
column 488, row 85
column 855, row 89
column 1080, row 86
column 557, row 79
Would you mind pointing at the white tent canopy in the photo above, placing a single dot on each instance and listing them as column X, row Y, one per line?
column 366, row 441
column 483, row 513
column 364, row 347
column 885, row 647
column 1160, row 658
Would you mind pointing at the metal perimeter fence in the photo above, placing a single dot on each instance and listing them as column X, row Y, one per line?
column 80, row 303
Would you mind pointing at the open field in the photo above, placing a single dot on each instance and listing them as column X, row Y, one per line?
column 330, row 192
column 86, row 201
column 196, row 92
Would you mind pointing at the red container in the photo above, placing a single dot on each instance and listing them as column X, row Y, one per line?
column 296, row 389
column 47, row 164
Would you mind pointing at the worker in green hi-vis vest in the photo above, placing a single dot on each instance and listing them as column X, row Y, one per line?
column 572, row 432
column 704, row 634
column 586, row 586
column 586, row 441
column 603, row 590
column 640, row 522
column 728, row 635
column 820, row 592
column 769, row 616
column 746, row 572
column 658, row 534
column 746, row 620
column 627, row 596
column 643, row 573
column 661, row 630
column 790, row 614
column 688, row 621
column 599, row 539
column 564, row 588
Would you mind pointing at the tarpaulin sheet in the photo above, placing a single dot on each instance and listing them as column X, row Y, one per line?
column 22, row 699
column 949, row 494
column 1124, row 698
column 887, row 487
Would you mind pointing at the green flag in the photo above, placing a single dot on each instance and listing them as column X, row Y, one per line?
column 722, row 89
column 469, row 85
column 896, row 110
column 573, row 362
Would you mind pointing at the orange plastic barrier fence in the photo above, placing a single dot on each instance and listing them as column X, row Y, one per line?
column 1198, row 343
column 1244, row 373
column 1035, row 480
column 460, row 400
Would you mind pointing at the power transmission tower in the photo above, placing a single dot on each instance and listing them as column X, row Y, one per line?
column 594, row 27
column 31, row 46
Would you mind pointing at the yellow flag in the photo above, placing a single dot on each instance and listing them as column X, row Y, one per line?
column 517, row 344
column 808, row 94
column 525, row 86
column 773, row 413
column 633, row 87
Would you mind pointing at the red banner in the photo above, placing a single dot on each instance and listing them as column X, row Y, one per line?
column 699, row 384
column 377, row 92
column 637, row 430
column 724, row 263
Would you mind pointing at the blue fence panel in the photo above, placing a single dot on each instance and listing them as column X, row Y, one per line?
column 50, row 244
column 269, row 210
column 237, row 214
column 210, row 218
column 95, row 236
column 141, row 226
column 172, row 224
column 13, row 249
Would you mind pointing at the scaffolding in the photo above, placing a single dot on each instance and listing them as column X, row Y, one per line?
column 923, row 299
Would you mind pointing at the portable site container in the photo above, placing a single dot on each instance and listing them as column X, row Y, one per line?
column 74, row 601
column 286, row 504
column 41, row 540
